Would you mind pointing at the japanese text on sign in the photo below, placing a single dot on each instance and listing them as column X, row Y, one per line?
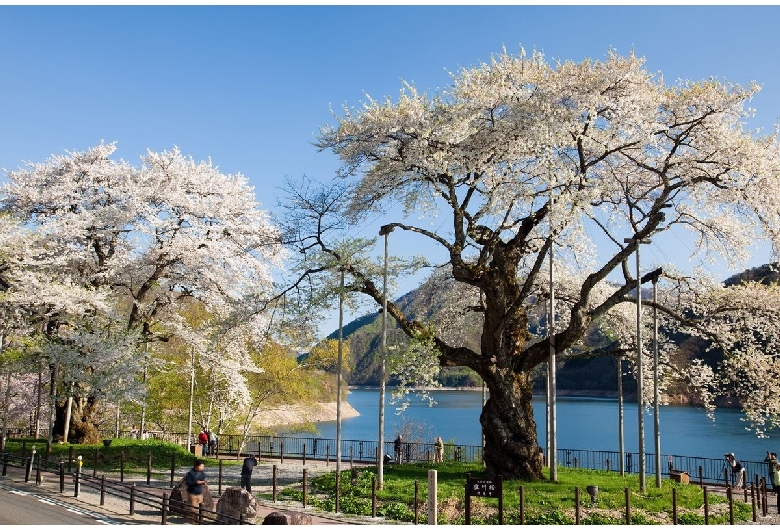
column 483, row 487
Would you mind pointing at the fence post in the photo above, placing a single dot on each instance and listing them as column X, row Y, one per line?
column 102, row 490
column 219, row 484
column 701, row 477
column 731, row 505
column 78, row 476
column 62, row 476
column 27, row 469
column 351, row 453
column 173, row 468
column 468, row 499
column 304, row 454
column 38, row 471
column 327, row 455
column 149, row 469
column 706, row 507
column 373, row 496
column 281, row 452
column 753, row 501
column 522, row 505
column 674, row 505
column 577, row 505
column 628, row 506
column 165, row 505
column 200, row 513
column 763, row 496
column 304, row 487
column 132, row 498
column 274, row 482
column 416, row 502
column 121, row 466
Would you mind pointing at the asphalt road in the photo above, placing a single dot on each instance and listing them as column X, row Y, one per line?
column 29, row 508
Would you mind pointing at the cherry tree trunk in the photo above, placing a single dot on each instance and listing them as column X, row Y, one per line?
column 82, row 420
column 511, row 446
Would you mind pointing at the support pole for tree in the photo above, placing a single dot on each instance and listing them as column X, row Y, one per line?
column 552, row 387
column 192, row 394
column 621, row 441
column 338, row 380
column 656, row 392
column 384, row 231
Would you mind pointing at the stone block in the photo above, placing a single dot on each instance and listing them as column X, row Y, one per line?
column 236, row 504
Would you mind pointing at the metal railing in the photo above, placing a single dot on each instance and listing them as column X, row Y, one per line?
column 710, row 470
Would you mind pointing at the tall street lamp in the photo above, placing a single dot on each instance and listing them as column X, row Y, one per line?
column 383, row 231
column 639, row 368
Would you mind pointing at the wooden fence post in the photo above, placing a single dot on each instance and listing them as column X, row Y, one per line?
column 628, row 506
column 576, row 505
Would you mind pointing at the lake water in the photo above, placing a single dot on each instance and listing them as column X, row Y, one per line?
column 583, row 423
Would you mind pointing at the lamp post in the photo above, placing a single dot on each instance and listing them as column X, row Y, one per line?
column 384, row 231
column 639, row 365
column 339, row 370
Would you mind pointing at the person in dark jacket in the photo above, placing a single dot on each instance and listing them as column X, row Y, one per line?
column 196, row 480
column 246, row 472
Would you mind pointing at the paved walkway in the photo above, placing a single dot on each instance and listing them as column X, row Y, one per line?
column 115, row 510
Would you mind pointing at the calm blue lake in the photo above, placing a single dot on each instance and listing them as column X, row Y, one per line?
column 583, row 423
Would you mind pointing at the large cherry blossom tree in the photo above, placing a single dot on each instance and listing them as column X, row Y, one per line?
column 520, row 157
column 152, row 236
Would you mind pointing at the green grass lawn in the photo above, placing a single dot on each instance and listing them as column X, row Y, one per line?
column 544, row 502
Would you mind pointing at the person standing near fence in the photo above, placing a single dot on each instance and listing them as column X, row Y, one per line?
column 397, row 448
column 212, row 443
column 737, row 471
column 203, row 440
column 438, row 446
column 246, row 472
column 771, row 459
column 196, row 480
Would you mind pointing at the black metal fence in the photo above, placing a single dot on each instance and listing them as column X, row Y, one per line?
column 704, row 469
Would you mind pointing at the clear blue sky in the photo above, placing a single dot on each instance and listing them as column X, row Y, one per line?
column 249, row 86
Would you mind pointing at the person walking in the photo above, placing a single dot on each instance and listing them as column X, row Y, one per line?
column 195, row 480
column 203, row 440
column 246, row 472
column 438, row 446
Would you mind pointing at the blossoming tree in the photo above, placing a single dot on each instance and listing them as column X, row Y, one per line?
column 151, row 236
column 519, row 158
